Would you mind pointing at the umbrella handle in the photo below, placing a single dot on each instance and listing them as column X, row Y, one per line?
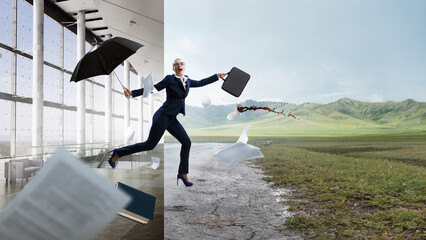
column 124, row 89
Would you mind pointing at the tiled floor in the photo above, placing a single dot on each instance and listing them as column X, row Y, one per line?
column 133, row 172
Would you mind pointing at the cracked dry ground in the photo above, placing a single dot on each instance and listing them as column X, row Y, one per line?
column 222, row 204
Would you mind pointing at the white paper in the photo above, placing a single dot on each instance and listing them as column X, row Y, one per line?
column 206, row 101
column 65, row 200
column 243, row 137
column 155, row 163
column 233, row 115
column 148, row 85
column 129, row 134
column 239, row 151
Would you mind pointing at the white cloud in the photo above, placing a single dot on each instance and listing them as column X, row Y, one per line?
column 188, row 44
column 271, row 99
column 292, row 65
column 375, row 98
column 333, row 94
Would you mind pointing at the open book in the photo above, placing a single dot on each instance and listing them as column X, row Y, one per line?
column 141, row 208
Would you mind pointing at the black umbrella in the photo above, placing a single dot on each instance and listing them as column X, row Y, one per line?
column 104, row 58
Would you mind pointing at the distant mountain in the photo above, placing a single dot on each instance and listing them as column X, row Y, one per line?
column 345, row 116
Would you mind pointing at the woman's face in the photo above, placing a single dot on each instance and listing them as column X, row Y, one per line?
column 179, row 67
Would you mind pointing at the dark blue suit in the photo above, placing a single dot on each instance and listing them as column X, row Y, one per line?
column 165, row 118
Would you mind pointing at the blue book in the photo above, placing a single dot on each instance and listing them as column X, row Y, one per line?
column 140, row 208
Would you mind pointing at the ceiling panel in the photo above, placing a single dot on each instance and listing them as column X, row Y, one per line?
column 74, row 6
column 95, row 24
column 123, row 22
column 138, row 20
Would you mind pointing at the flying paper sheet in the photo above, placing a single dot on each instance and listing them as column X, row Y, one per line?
column 148, row 85
column 239, row 151
column 243, row 137
column 129, row 134
column 233, row 115
column 206, row 101
column 65, row 200
column 155, row 163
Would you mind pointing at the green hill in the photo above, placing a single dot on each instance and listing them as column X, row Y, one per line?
column 345, row 116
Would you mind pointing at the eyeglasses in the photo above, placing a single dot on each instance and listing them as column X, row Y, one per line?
column 178, row 63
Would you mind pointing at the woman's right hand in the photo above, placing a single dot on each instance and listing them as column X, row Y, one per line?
column 127, row 93
column 221, row 75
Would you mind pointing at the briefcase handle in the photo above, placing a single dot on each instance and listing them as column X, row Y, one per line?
column 224, row 79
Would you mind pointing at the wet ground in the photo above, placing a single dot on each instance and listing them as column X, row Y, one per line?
column 222, row 204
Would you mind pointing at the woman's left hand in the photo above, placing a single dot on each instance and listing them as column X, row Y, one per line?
column 221, row 75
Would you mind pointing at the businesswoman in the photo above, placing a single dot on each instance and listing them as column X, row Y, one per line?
column 177, row 88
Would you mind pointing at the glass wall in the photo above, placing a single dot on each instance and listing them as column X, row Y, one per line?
column 23, row 129
column 5, row 71
column 5, row 117
column 51, row 83
column 6, row 20
column 70, row 50
column 24, row 76
column 51, row 126
column 53, row 123
column 52, row 38
column 25, row 27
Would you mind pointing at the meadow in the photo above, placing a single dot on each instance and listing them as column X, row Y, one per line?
column 369, row 186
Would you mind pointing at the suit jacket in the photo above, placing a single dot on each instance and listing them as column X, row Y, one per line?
column 175, row 92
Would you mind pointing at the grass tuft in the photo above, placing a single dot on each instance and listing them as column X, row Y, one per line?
column 348, row 190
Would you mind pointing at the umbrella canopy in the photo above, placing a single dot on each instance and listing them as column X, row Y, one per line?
column 104, row 58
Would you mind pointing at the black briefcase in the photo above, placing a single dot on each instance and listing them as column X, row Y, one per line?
column 235, row 82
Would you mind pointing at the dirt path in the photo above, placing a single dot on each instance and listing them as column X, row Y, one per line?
column 222, row 204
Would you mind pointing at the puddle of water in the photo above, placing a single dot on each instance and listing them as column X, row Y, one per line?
column 128, row 165
column 280, row 196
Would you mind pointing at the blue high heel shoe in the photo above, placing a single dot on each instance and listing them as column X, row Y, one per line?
column 111, row 163
column 188, row 184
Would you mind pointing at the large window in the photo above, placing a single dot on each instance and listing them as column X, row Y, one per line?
column 70, row 126
column 99, row 128
column 6, row 22
column 70, row 91
column 52, row 39
column 24, row 76
column 134, row 126
column 25, row 27
column 5, row 111
column 119, row 103
column 89, row 128
column 119, row 131
column 99, row 98
column 51, row 126
column 119, row 72
column 5, row 71
column 58, row 109
column 23, row 129
column 70, row 50
column 51, row 84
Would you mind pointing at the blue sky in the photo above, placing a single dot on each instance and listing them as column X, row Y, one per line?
column 302, row 51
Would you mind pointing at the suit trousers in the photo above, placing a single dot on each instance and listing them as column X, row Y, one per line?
column 160, row 123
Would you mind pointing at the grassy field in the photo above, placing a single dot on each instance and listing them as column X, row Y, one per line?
column 367, row 186
column 358, row 186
